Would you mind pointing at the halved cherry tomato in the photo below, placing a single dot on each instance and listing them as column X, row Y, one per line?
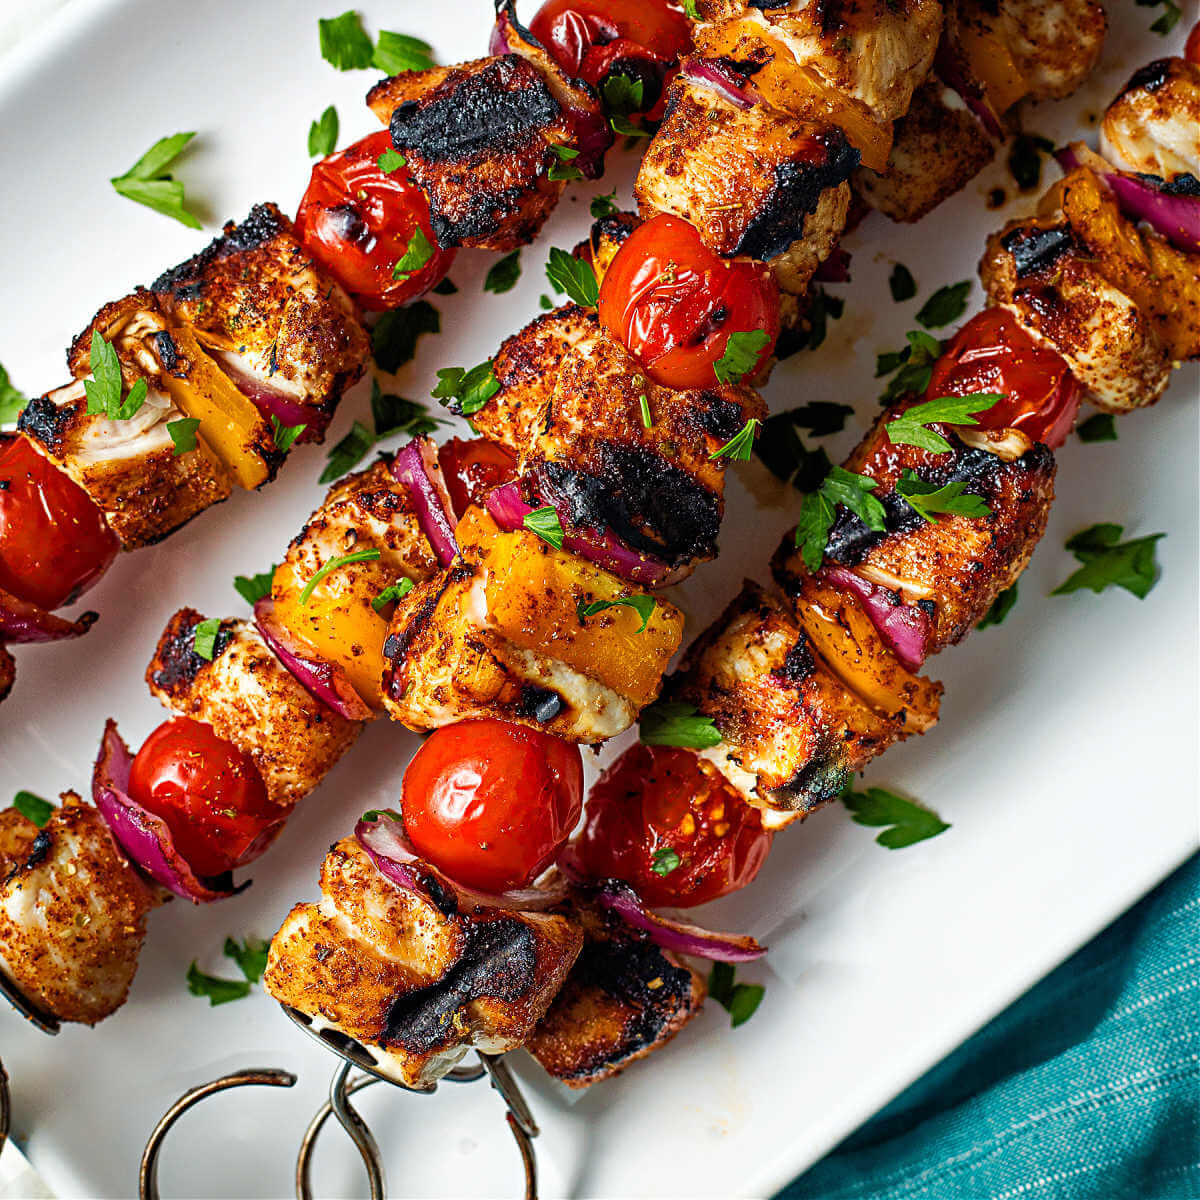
column 358, row 221
column 472, row 467
column 1191, row 48
column 674, row 303
column 675, row 831
column 54, row 542
column 492, row 803
column 209, row 793
column 992, row 353
column 595, row 39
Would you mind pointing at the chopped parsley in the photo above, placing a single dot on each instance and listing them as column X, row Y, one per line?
column 622, row 94
column 1000, row 608
column 945, row 305
column 604, row 206
column 250, row 956
column 908, row 822
column 216, row 989
column 466, row 392
column 642, row 605
column 739, row 1000
column 349, row 452
column 820, row 308
column 564, row 168
column 323, row 133
column 390, row 595
column 545, row 301
column 820, row 417
column 665, row 860
column 504, row 273
column 626, row 128
column 148, row 181
column 344, row 42
column 396, row 53
column 1109, row 562
column 545, row 523
column 1025, row 160
column 902, row 284
column 913, row 366
column 104, row 391
column 33, row 808
column 394, row 338
column 741, row 355
column 927, row 499
column 391, row 160
column 741, row 445
column 644, row 405
column 394, row 414
column 819, row 511
column 418, row 252
column 786, row 456
column 204, row 637
column 677, row 723
column 1101, row 427
column 333, row 564
column 285, row 435
column 253, row 588
column 569, row 274
column 910, row 428
column 1169, row 19
column 689, row 7
column 12, row 401
column 183, row 434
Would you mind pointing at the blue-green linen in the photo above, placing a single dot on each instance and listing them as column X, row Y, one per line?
column 1087, row 1088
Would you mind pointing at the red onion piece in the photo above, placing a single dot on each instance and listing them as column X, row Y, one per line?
column 835, row 269
column 953, row 69
column 272, row 402
column 904, row 628
column 385, row 841
column 142, row 835
column 603, row 548
column 324, row 681
column 21, row 621
column 416, row 466
column 713, row 74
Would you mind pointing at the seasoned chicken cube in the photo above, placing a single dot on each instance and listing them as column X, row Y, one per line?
column 624, row 999
column 281, row 328
column 17, row 833
column 72, row 914
column 250, row 699
column 416, row 978
column 479, row 141
column 1153, row 126
column 1055, row 43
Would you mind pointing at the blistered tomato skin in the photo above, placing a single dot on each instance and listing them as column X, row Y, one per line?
column 1191, row 49
column 358, row 221
column 54, row 542
column 674, row 831
column 472, row 467
column 491, row 803
column 209, row 793
column 674, row 304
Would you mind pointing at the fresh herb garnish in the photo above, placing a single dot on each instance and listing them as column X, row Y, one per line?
column 389, row 595
column 250, row 956
column 622, row 95
column 466, row 392
column 12, row 401
column 665, row 860
column 504, row 274
column 285, row 435
column 908, row 821
column 677, row 723
column 394, row 338
column 786, row 456
column 739, row 1000
column 33, row 808
column 344, row 42
column 394, row 414
column 902, row 283
column 741, row 354
column 204, row 637
column 252, row 588
column 945, row 305
column 1000, row 608
column 333, row 564
column 545, row 301
column 1110, row 562
column 1025, row 160
column 647, row 419
column 741, row 445
column 819, row 511
column 104, row 391
column 418, row 252
column 623, row 126
column 323, row 133
column 910, row 428
column 349, row 452
column 689, row 7
column 604, row 206
column 545, row 523
column 1169, row 19
column 927, row 499
column 569, row 274
column 564, row 169
column 216, row 989
column 820, row 417
column 821, row 308
column 913, row 366
column 1101, row 427
column 391, row 160
column 396, row 53
column 183, row 434
column 642, row 605
column 148, row 181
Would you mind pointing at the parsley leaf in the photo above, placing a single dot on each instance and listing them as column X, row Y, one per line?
column 33, row 808
column 1110, row 562
column 344, row 42
column 285, row 435
column 466, row 392
column 689, row 7
column 740, row 1000
column 1000, row 608
column 908, row 821
column 664, row 861
column 397, row 591
column 504, row 274
column 902, row 283
column 928, row 499
column 333, row 564
column 647, row 419
column 1102, row 427
column 545, row 523
column 204, row 637
column 818, row 511
column 1168, row 20
column 563, row 169
column 741, row 355
column 323, row 133
column 545, row 301
column 398, row 52
column 642, row 605
column 909, row 428
column 147, row 181
column 349, row 452
column 218, row 991
column 626, row 128
column 253, row 588
column 390, row 160
column 622, row 94
column 1025, row 160
column 945, row 305
column 677, row 723
column 104, row 391
column 418, row 252
column 394, row 338
column 741, row 445
column 604, row 206
column 250, row 956
column 395, row 414
column 819, row 308
column 913, row 364
column 11, row 400
column 569, row 274
column 183, row 434
column 820, row 417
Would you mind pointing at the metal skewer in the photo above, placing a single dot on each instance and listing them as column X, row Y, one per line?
column 44, row 1021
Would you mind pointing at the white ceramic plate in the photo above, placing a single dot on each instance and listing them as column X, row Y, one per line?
column 1065, row 757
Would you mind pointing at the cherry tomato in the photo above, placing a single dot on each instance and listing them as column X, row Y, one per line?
column 492, row 803
column 593, row 39
column 359, row 221
column 1191, row 48
column 678, row 833
column 472, row 467
column 208, row 792
column 54, row 542
column 674, row 303
column 992, row 353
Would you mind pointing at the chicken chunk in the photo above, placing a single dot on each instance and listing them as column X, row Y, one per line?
column 1055, row 44
column 624, row 999
column 416, row 978
column 72, row 915
column 250, row 699
column 1153, row 126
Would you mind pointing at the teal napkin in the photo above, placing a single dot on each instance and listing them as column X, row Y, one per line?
column 1087, row 1088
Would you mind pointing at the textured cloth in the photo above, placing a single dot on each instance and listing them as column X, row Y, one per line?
column 1087, row 1088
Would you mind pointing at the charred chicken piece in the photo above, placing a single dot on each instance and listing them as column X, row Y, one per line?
column 72, row 912
column 250, row 699
column 624, row 999
column 416, row 978
column 1153, row 126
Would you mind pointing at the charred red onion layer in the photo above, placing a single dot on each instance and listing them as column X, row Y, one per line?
column 21, row 621
column 416, row 466
column 904, row 628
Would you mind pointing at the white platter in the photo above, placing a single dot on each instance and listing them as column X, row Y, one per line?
column 1065, row 758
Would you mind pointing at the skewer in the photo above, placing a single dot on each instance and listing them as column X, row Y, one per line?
column 37, row 1017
